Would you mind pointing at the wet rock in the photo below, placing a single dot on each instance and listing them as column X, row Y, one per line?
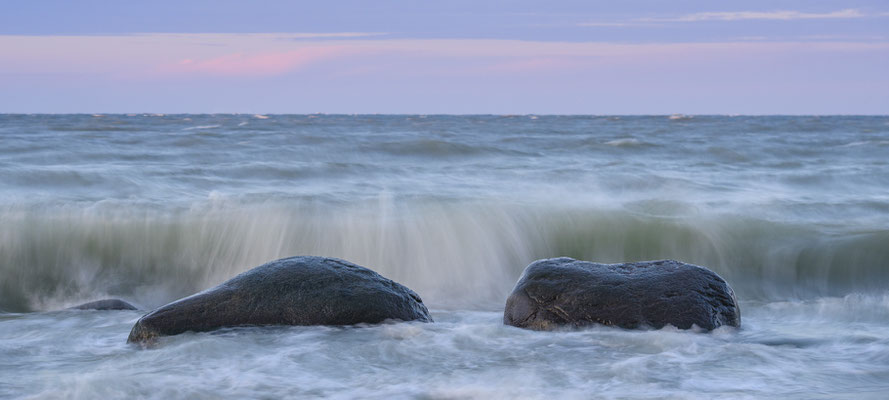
column 566, row 292
column 290, row 291
column 106, row 304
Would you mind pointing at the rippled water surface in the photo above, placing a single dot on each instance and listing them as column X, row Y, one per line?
column 792, row 211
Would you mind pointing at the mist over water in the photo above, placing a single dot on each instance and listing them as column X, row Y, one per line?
column 792, row 211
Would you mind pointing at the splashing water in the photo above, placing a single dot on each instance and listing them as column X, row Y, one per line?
column 791, row 211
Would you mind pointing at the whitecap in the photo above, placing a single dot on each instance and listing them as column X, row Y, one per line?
column 626, row 142
column 201, row 127
column 866, row 143
column 260, row 116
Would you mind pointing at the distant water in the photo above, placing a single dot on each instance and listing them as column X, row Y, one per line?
column 792, row 211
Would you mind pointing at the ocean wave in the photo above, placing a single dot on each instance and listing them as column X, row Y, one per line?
column 867, row 143
column 853, row 307
column 456, row 254
column 191, row 128
column 627, row 142
column 433, row 148
column 94, row 128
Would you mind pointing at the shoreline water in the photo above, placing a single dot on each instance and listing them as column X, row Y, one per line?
column 466, row 354
column 791, row 211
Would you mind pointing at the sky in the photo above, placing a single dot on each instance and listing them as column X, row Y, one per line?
column 445, row 57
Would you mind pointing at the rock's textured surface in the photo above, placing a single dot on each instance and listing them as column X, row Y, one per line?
column 290, row 291
column 567, row 292
column 106, row 304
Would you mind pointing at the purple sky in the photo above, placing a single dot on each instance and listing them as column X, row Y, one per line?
column 581, row 57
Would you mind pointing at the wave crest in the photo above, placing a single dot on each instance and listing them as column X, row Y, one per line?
column 455, row 254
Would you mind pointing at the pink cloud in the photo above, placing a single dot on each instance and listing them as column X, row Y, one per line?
column 258, row 64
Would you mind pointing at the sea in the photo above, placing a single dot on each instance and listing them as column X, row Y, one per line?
column 792, row 211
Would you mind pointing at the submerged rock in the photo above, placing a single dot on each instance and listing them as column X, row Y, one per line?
column 106, row 304
column 567, row 292
column 290, row 291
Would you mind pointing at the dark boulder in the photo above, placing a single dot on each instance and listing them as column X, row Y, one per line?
column 106, row 304
column 290, row 291
column 566, row 292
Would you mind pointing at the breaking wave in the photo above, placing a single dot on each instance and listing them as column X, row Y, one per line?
column 456, row 254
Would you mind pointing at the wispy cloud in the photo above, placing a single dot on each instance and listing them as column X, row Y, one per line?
column 777, row 15
column 610, row 24
column 268, row 73
column 847, row 38
column 333, row 35
column 241, row 64
column 167, row 57
column 782, row 15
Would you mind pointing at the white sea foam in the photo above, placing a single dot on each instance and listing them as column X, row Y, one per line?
column 191, row 128
column 465, row 354
column 867, row 143
column 454, row 207
column 626, row 142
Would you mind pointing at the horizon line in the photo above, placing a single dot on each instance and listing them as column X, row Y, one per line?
column 162, row 114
